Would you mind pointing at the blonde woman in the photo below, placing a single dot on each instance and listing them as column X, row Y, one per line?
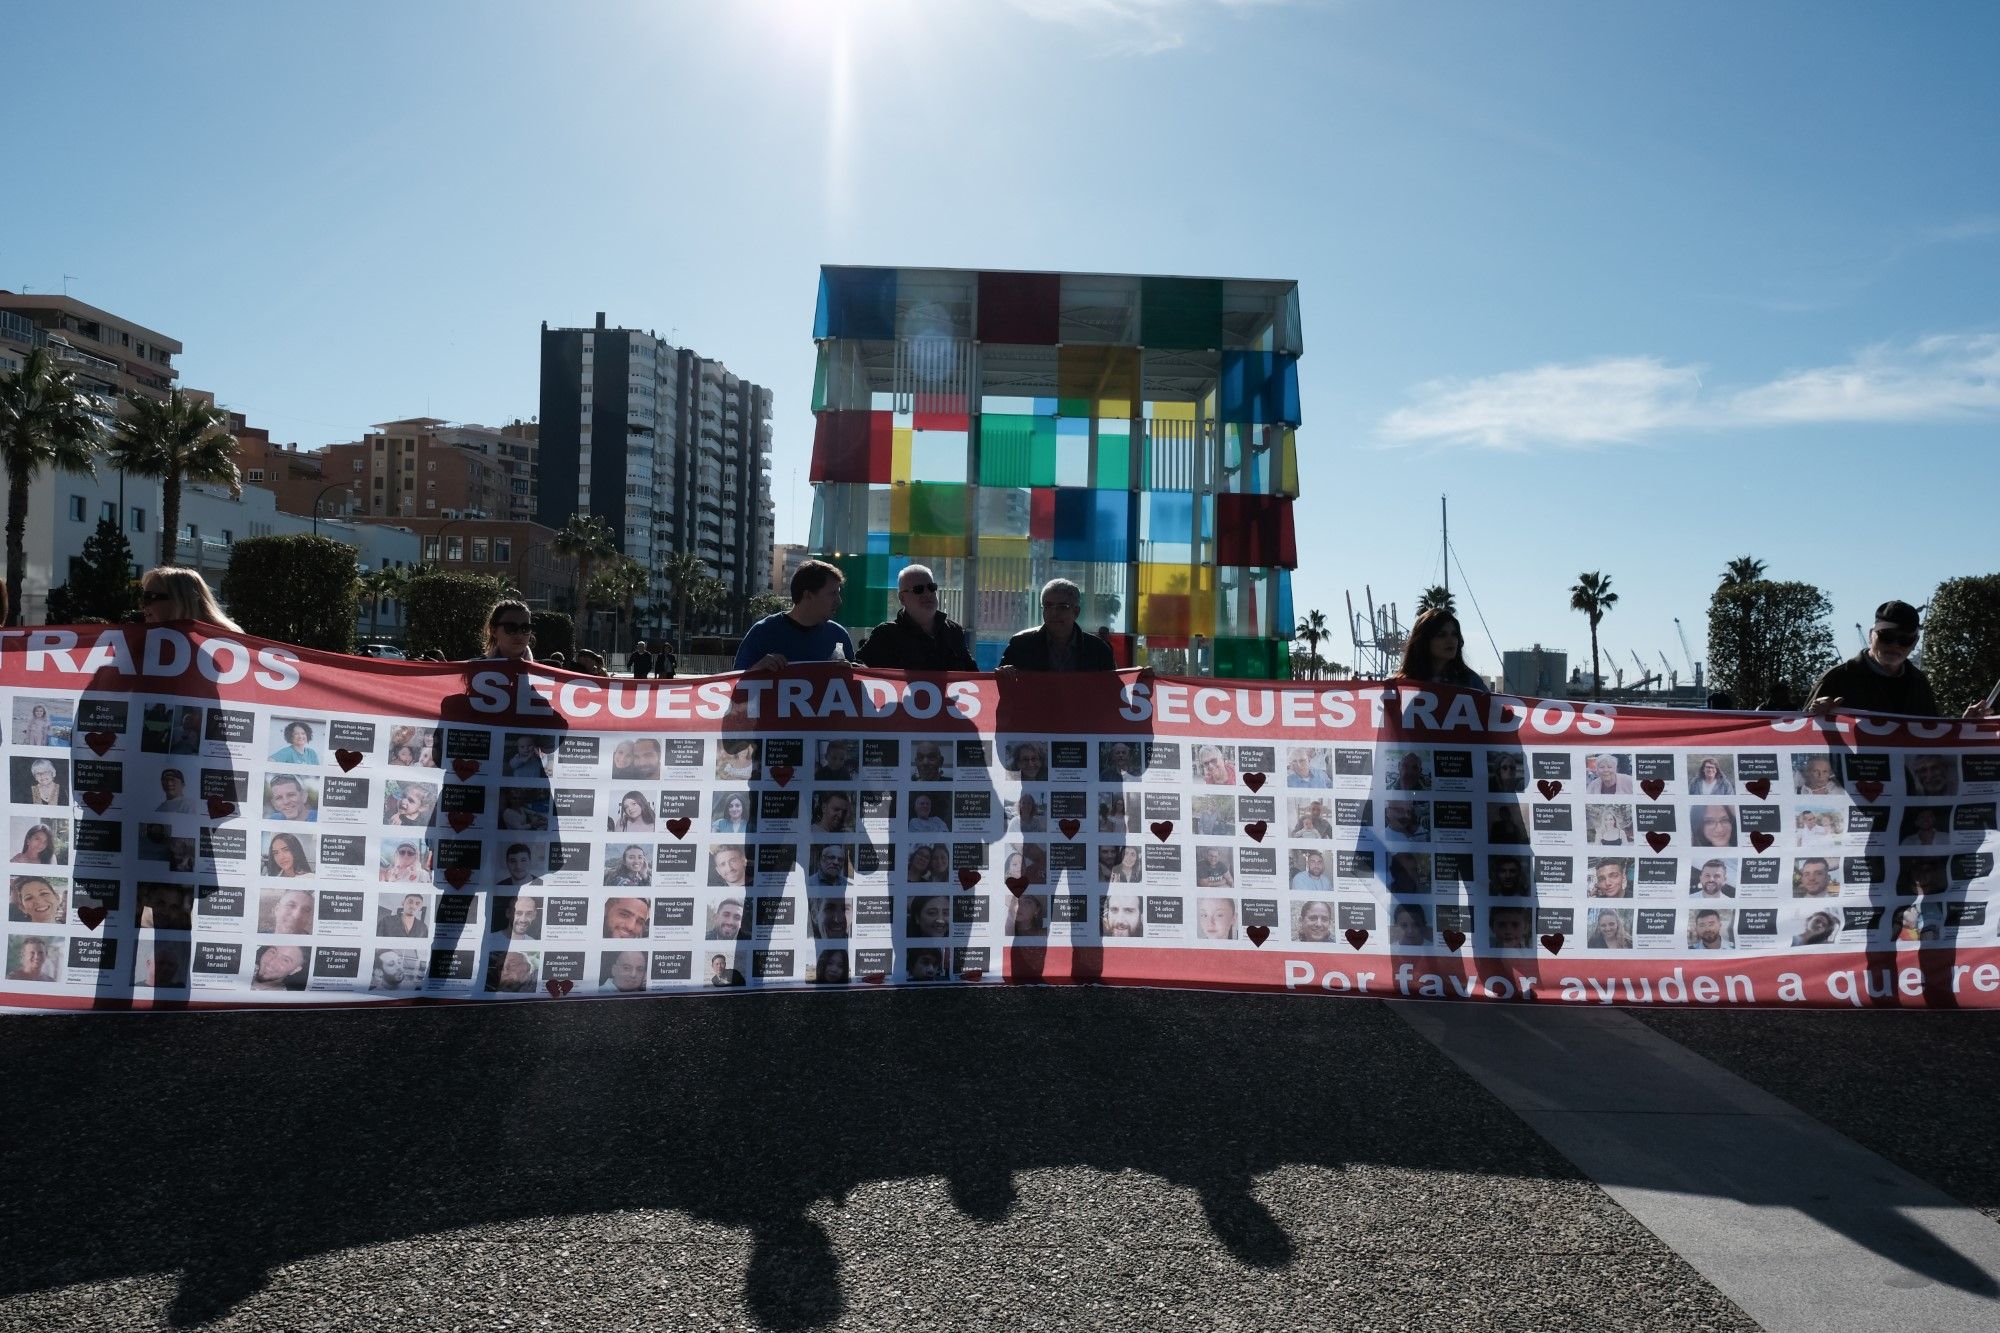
column 170, row 592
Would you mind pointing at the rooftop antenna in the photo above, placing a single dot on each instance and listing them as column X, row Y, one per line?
column 68, row 278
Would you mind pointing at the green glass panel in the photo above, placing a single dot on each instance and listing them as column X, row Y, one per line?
column 1180, row 312
column 1016, row 450
column 937, row 510
column 1114, row 459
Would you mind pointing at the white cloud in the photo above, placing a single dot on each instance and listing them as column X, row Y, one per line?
column 1626, row 400
column 1135, row 27
column 1613, row 401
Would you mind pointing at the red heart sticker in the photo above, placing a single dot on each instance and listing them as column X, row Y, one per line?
column 1162, row 829
column 679, row 827
column 1069, row 827
column 465, row 768
column 457, row 877
column 219, row 808
column 1254, row 781
column 1762, row 841
column 1257, row 828
column 348, row 759
column 558, row 987
column 1658, row 841
column 875, row 978
column 972, row 974
column 1869, row 791
column 1357, row 938
column 1758, row 787
column 100, row 801
column 92, row 917
column 1550, row 788
column 100, row 741
column 460, row 820
column 1652, row 787
column 782, row 774
column 1553, row 943
column 1454, row 940
column 1257, row 934
column 1017, row 885
column 967, row 878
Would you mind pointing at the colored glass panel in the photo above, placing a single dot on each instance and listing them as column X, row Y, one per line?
column 1259, row 387
column 1020, row 308
column 1251, row 659
column 1255, row 530
column 1176, row 599
column 1097, row 381
column 1017, row 450
column 1113, row 468
column 851, row 446
column 938, row 455
column 1180, row 312
column 856, row 303
column 1042, row 514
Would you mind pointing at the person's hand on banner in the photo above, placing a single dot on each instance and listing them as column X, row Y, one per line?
column 771, row 662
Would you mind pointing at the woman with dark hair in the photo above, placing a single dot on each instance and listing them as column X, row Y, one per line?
column 635, row 814
column 1435, row 653
column 1713, row 825
column 38, row 847
column 929, row 916
column 510, row 631
column 286, row 858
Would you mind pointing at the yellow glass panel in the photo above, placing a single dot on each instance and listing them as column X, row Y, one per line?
column 899, row 458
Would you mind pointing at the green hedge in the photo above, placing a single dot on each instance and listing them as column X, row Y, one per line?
column 555, row 632
column 448, row 612
column 300, row 589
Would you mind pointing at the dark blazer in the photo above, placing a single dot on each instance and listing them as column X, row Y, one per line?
column 899, row 643
column 1029, row 650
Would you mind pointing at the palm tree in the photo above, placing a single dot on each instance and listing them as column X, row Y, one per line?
column 1437, row 597
column 1313, row 631
column 1592, row 595
column 622, row 583
column 589, row 539
column 179, row 439
column 685, row 570
column 389, row 582
column 45, row 421
column 1743, row 569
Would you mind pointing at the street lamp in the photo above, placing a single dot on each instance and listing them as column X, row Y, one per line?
column 324, row 492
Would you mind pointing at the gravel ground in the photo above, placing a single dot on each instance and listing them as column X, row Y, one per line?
column 1916, row 1088
column 1033, row 1159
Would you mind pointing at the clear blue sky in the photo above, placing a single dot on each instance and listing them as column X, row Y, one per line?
column 1641, row 287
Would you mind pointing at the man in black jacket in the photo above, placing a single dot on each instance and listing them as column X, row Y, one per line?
column 921, row 637
column 1882, row 679
column 641, row 662
column 1058, row 644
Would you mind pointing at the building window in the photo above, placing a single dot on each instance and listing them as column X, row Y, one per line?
column 138, row 519
column 478, row 550
column 431, row 466
column 107, row 512
column 503, row 551
column 428, row 504
column 228, row 537
column 256, row 474
column 357, row 465
column 431, row 549
column 454, row 548
column 76, row 508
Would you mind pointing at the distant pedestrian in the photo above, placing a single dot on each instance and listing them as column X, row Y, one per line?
column 1058, row 643
column 590, row 662
column 921, row 637
column 807, row 632
column 170, row 592
column 641, row 662
column 668, row 664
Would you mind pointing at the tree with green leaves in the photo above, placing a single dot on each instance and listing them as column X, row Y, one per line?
column 1591, row 594
column 621, row 583
column 1437, row 597
column 766, row 604
column 685, row 573
column 1313, row 630
column 100, row 580
column 1743, row 569
column 178, row 440
column 1766, row 633
column 447, row 612
column 45, row 422
column 388, row 583
column 587, row 539
column 300, row 589
column 1962, row 641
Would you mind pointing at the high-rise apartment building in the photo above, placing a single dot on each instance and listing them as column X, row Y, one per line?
column 669, row 448
column 111, row 357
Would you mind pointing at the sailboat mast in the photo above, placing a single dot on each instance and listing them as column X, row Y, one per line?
column 1444, row 518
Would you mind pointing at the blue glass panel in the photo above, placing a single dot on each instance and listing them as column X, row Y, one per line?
column 856, row 303
column 1075, row 514
column 1111, row 526
column 1259, row 387
column 1288, row 626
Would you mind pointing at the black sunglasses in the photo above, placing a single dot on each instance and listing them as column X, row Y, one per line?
column 921, row 589
column 514, row 626
column 1900, row 640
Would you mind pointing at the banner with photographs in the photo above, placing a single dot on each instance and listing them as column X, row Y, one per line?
column 204, row 820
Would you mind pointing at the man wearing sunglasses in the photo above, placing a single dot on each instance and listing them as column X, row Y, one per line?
column 1059, row 643
column 921, row 637
column 1881, row 679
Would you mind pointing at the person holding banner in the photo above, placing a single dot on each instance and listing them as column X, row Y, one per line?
column 921, row 637
column 1881, row 678
column 807, row 632
column 1058, row 643
column 1435, row 653
column 170, row 592
column 510, row 632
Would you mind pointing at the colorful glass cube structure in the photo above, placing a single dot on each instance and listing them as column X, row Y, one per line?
column 1137, row 435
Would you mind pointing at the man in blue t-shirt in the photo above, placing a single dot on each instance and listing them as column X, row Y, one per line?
column 807, row 632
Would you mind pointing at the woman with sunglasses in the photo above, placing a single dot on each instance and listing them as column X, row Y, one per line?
column 921, row 637
column 510, row 632
column 170, row 592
